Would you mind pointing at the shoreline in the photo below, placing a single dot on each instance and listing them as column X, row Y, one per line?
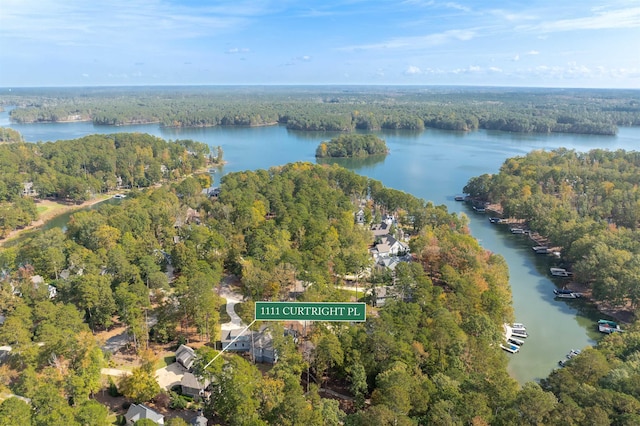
column 620, row 314
column 54, row 209
column 57, row 208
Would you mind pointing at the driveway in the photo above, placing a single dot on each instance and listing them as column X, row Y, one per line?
column 233, row 298
column 170, row 375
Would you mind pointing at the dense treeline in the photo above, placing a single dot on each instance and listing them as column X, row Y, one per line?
column 296, row 222
column 429, row 356
column 352, row 146
column 346, row 109
column 76, row 170
column 598, row 387
column 587, row 203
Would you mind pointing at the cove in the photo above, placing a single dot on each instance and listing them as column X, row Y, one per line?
column 434, row 165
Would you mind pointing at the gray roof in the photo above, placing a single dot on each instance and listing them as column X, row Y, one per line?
column 191, row 381
column 140, row 411
column 199, row 421
column 185, row 356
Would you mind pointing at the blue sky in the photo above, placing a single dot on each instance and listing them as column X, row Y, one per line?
column 559, row 43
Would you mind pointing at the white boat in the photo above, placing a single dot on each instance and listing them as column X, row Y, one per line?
column 515, row 341
column 566, row 294
column 541, row 249
column 573, row 352
column 517, row 230
column 608, row 327
column 519, row 332
column 518, row 325
column 560, row 272
column 510, row 348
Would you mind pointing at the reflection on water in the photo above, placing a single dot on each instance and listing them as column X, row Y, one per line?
column 354, row 163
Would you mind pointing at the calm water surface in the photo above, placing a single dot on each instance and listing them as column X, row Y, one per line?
column 433, row 165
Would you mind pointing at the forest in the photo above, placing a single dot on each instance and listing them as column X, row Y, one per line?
column 352, row 146
column 429, row 356
column 341, row 108
column 78, row 170
column 586, row 203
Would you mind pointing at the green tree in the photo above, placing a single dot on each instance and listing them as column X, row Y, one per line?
column 14, row 411
column 534, row 405
column 92, row 413
column 236, row 399
column 328, row 353
column 141, row 385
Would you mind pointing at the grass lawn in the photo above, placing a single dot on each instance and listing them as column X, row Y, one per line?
column 161, row 363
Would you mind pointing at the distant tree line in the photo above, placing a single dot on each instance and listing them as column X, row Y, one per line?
column 352, row 146
column 587, row 203
column 514, row 110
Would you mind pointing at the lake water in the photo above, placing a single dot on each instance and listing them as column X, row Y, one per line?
column 434, row 165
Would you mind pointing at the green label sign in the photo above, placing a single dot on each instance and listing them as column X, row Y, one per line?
column 311, row 311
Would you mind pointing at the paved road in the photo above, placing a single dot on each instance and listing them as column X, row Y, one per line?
column 233, row 297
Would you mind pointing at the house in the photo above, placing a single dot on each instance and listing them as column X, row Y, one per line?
column 241, row 344
column 212, row 191
column 28, row 190
column 193, row 387
column 185, row 356
column 5, row 351
column 389, row 246
column 380, row 229
column 360, row 217
column 262, row 347
column 388, row 262
column 140, row 411
column 381, row 294
column 199, row 420
column 36, row 280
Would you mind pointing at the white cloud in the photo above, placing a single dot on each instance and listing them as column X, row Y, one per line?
column 412, row 70
column 610, row 19
column 85, row 23
column 495, row 69
column 516, row 58
column 533, row 52
column 416, row 42
column 235, row 50
column 457, row 6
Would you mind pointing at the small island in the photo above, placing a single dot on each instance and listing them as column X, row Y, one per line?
column 352, row 146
